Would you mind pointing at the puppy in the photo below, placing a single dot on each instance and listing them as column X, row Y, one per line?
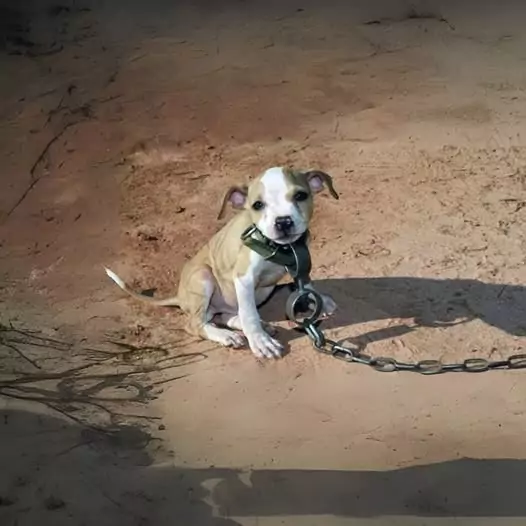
column 223, row 285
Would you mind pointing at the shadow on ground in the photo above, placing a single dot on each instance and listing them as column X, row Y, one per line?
column 429, row 302
column 57, row 473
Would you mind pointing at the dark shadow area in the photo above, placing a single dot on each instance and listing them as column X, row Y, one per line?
column 429, row 302
column 62, row 473
column 37, row 29
column 107, row 385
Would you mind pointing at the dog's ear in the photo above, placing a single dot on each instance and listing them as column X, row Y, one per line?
column 236, row 196
column 318, row 180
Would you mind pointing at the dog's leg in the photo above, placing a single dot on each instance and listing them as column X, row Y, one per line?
column 225, row 337
column 199, row 288
column 234, row 322
column 231, row 321
column 262, row 295
column 261, row 343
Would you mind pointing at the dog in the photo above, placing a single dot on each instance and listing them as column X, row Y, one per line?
column 223, row 285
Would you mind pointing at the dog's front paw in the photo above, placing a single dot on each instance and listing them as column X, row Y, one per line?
column 264, row 346
column 329, row 306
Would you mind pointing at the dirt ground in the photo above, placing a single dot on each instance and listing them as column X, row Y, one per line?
column 122, row 123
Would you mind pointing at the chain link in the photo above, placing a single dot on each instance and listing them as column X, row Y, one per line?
column 388, row 364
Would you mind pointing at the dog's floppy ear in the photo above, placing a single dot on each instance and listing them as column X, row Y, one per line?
column 236, row 196
column 318, row 180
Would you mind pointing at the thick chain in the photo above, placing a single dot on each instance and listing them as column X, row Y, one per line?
column 308, row 300
column 387, row 364
column 296, row 259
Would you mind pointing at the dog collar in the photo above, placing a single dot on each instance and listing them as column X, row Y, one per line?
column 295, row 257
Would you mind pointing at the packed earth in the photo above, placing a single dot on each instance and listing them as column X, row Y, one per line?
column 123, row 124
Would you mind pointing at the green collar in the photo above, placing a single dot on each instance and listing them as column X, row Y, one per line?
column 295, row 257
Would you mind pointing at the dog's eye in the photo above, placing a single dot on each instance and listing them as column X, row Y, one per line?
column 258, row 205
column 300, row 195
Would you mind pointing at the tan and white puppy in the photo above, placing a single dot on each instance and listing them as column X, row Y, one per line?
column 223, row 285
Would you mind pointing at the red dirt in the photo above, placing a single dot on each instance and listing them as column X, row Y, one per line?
column 121, row 128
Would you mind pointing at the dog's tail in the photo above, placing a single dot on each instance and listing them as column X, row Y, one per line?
column 168, row 302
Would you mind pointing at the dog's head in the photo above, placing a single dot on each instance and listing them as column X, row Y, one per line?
column 280, row 201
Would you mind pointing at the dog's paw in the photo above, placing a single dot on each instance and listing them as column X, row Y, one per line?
column 225, row 337
column 235, row 340
column 329, row 306
column 264, row 346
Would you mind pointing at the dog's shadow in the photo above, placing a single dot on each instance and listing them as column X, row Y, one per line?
column 427, row 302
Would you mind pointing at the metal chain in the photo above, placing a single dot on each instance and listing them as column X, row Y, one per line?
column 296, row 259
column 388, row 364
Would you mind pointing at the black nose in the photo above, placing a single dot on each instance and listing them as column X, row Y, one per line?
column 284, row 224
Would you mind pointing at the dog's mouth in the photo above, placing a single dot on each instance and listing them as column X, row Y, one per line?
column 287, row 239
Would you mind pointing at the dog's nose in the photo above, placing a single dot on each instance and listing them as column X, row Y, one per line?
column 284, row 224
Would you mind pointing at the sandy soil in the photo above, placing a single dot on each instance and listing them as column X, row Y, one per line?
column 122, row 124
